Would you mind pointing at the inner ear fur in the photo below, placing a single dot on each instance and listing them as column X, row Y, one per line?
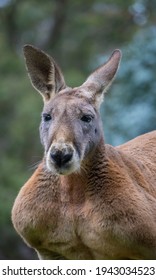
column 45, row 75
column 101, row 79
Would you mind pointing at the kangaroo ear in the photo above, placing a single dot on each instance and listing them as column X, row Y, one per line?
column 46, row 77
column 100, row 80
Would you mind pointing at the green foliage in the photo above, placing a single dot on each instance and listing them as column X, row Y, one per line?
column 132, row 104
column 19, row 147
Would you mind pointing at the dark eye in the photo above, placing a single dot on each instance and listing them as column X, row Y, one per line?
column 46, row 117
column 86, row 118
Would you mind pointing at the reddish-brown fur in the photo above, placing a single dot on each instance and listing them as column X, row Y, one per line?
column 86, row 200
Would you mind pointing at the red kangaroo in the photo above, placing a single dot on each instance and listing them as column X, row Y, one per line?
column 87, row 199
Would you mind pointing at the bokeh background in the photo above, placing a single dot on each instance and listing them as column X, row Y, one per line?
column 80, row 35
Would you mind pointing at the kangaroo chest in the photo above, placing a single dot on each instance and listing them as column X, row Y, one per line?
column 71, row 222
column 75, row 225
column 81, row 233
column 62, row 222
column 73, row 233
column 66, row 224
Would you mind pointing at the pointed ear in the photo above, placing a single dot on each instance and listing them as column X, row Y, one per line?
column 99, row 81
column 46, row 77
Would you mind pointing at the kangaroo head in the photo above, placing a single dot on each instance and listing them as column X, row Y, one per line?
column 70, row 128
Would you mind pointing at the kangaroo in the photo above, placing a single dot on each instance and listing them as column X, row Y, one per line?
column 86, row 200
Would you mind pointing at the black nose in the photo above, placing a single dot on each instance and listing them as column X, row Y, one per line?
column 60, row 157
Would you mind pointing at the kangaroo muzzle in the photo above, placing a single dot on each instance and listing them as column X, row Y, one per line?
column 62, row 158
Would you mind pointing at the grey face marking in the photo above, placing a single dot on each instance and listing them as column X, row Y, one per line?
column 69, row 131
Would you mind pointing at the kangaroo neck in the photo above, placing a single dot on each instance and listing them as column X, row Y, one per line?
column 89, row 170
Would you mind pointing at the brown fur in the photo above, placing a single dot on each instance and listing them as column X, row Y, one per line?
column 101, row 204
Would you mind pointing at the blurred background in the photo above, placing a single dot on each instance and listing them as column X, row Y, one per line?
column 80, row 35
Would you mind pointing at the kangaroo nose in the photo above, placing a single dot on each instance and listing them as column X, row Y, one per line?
column 61, row 157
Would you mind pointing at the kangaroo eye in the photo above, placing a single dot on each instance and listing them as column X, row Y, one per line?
column 86, row 118
column 46, row 117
